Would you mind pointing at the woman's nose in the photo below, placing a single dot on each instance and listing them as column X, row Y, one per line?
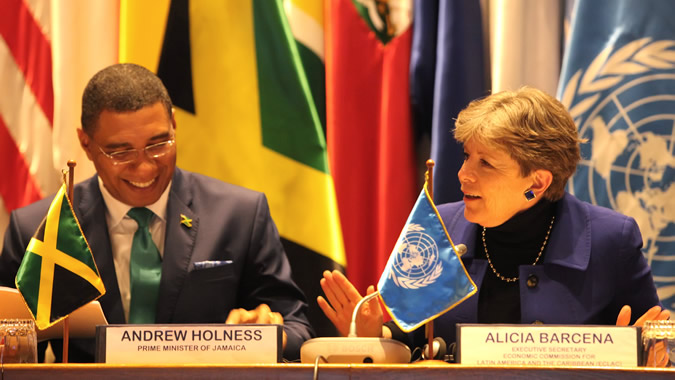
column 465, row 174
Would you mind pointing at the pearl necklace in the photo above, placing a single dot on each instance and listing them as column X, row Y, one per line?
column 514, row 279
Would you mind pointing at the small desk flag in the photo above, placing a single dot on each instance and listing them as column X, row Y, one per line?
column 424, row 276
column 58, row 274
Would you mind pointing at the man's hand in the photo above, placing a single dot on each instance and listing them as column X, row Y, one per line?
column 260, row 315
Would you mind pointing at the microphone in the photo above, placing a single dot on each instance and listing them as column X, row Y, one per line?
column 352, row 325
column 354, row 349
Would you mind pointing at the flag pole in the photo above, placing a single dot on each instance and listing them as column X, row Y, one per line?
column 66, row 327
column 429, row 184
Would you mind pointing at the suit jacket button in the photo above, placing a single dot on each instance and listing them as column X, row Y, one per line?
column 532, row 281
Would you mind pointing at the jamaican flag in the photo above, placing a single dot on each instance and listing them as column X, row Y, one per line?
column 58, row 274
column 247, row 80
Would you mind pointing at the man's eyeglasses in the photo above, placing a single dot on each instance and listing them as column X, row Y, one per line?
column 153, row 151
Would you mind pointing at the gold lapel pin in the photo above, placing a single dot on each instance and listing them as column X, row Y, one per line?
column 184, row 220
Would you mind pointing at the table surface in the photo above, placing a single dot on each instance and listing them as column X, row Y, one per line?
column 423, row 370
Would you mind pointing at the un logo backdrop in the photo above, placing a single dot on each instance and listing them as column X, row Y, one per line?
column 618, row 82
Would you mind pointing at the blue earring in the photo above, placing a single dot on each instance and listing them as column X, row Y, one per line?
column 529, row 195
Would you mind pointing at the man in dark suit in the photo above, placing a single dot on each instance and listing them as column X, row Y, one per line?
column 220, row 257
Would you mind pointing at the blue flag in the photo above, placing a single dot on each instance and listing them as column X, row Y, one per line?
column 618, row 81
column 424, row 276
column 446, row 73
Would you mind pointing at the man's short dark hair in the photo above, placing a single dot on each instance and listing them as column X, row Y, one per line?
column 120, row 88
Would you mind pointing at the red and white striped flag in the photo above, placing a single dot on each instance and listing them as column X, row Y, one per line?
column 48, row 51
column 26, row 103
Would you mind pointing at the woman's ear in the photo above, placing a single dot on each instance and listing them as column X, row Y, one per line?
column 541, row 180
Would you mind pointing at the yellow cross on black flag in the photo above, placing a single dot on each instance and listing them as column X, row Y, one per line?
column 58, row 274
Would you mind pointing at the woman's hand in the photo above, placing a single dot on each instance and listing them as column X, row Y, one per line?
column 655, row 313
column 342, row 299
column 658, row 354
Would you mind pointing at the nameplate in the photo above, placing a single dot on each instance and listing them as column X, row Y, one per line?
column 548, row 345
column 188, row 344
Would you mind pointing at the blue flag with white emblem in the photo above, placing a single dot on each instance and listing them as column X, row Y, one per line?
column 618, row 81
column 424, row 276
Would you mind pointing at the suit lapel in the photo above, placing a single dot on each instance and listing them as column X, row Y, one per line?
column 461, row 230
column 570, row 242
column 464, row 232
column 178, row 247
column 91, row 214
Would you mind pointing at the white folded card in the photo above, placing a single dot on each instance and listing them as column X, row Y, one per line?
column 188, row 344
column 548, row 345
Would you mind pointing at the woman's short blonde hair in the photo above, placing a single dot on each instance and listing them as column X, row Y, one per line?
column 533, row 127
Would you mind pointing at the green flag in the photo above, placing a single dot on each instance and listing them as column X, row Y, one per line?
column 243, row 80
column 58, row 274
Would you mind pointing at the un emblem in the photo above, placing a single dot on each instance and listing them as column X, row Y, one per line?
column 629, row 165
column 417, row 263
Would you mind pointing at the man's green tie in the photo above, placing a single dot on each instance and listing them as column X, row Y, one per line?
column 145, row 270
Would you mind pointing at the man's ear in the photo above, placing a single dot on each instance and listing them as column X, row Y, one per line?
column 85, row 143
column 173, row 118
column 541, row 181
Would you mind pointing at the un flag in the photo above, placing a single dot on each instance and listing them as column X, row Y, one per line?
column 424, row 276
column 618, row 81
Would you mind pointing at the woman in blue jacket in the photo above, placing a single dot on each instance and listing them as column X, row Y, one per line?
column 536, row 253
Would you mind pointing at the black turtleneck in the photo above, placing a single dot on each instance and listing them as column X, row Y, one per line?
column 514, row 243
